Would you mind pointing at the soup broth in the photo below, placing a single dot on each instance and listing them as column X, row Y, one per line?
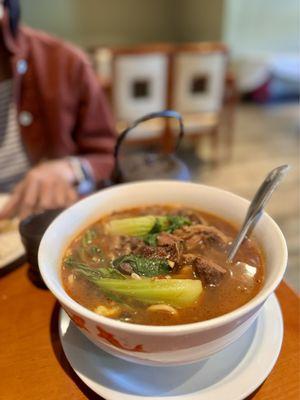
column 161, row 265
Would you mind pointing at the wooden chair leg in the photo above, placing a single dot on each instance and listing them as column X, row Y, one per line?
column 198, row 145
column 231, row 99
column 215, row 145
column 227, row 123
column 229, row 143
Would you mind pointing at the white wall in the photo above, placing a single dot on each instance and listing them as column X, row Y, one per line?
column 198, row 20
column 262, row 26
column 121, row 22
column 111, row 22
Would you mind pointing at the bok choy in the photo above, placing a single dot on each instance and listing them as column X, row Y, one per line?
column 146, row 227
column 136, row 226
column 175, row 292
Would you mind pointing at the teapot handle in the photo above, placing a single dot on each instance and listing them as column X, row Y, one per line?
column 147, row 117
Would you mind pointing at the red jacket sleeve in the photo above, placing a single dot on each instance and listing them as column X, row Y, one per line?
column 95, row 135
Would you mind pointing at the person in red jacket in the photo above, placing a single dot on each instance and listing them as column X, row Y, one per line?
column 56, row 132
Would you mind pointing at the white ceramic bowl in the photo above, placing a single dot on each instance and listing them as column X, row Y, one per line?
column 160, row 345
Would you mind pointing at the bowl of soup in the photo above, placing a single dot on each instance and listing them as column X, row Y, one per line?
column 141, row 269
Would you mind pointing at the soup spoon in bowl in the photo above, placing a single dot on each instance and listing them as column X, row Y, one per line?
column 257, row 205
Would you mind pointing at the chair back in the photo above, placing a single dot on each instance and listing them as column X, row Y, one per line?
column 198, row 77
column 140, row 81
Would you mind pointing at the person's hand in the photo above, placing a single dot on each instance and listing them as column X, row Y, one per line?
column 46, row 186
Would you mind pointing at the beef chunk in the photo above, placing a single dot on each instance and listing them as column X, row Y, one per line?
column 171, row 252
column 193, row 241
column 122, row 245
column 175, row 252
column 125, row 268
column 152, row 252
column 208, row 271
column 197, row 234
column 173, row 245
column 188, row 258
column 167, row 239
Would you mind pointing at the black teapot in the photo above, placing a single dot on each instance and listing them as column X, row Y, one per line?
column 148, row 165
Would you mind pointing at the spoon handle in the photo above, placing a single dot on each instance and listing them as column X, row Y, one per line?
column 256, row 207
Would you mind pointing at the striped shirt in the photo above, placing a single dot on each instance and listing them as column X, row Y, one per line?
column 14, row 162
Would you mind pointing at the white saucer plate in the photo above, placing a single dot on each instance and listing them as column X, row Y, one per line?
column 231, row 374
column 11, row 247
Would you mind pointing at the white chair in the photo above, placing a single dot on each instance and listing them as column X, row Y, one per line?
column 198, row 87
column 139, row 87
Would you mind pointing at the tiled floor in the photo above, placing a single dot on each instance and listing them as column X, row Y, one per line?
column 265, row 137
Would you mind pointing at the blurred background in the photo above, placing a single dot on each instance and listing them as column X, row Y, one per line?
column 230, row 67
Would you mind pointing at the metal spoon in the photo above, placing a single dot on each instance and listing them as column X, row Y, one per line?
column 256, row 207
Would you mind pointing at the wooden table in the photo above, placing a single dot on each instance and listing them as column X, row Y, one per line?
column 33, row 365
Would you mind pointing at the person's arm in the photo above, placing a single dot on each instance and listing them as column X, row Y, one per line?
column 94, row 131
column 46, row 186
column 56, row 183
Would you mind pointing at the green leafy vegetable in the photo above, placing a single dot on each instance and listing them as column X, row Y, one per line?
column 176, row 222
column 88, row 237
column 146, row 227
column 137, row 226
column 95, row 251
column 175, row 292
column 151, row 239
column 90, row 254
column 92, row 273
column 144, row 266
column 172, row 223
